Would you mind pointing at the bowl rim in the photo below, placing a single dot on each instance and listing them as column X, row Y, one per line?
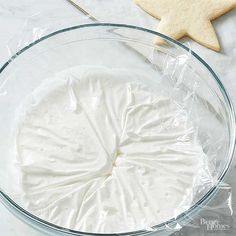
column 172, row 222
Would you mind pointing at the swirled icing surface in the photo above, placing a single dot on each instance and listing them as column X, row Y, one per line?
column 102, row 151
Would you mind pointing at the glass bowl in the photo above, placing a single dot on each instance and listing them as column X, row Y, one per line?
column 115, row 45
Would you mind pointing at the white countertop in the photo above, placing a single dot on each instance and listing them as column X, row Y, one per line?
column 48, row 15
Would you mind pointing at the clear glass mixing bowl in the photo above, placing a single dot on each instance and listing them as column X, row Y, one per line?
column 114, row 45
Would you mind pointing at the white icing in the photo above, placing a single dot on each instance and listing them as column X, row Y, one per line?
column 102, row 151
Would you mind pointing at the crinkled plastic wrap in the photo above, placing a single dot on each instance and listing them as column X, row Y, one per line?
column 171, row 97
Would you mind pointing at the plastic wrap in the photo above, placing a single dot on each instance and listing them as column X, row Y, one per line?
column 173, row 71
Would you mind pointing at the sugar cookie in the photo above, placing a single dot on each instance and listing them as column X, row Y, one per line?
column 191, row 18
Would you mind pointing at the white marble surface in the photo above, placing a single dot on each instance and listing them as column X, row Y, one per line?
column 19, row 18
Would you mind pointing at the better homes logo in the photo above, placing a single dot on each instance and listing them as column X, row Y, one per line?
column 213, row 225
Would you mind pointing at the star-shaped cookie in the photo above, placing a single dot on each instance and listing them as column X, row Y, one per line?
column 190, row 18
